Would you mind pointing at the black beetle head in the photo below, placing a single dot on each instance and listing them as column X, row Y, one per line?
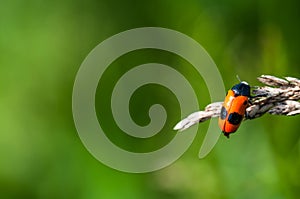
column 242, row 88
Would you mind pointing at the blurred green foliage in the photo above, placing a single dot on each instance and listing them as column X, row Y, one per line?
column 42, row 45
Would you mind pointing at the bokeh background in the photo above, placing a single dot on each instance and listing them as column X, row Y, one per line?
column 42, row 45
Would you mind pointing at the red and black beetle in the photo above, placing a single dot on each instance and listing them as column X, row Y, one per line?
column 234, row 108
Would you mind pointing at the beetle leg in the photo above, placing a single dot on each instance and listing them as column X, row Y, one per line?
column 251, row 98
column 259, row 95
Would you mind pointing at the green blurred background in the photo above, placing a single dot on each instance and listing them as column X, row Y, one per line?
column 42, row 46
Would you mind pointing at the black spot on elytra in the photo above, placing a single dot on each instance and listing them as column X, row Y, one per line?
column 223, row 113
column 235, row 118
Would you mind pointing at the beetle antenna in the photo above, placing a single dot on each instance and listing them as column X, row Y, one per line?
column 237, row 76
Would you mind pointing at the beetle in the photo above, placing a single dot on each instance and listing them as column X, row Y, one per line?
column 234, row 108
